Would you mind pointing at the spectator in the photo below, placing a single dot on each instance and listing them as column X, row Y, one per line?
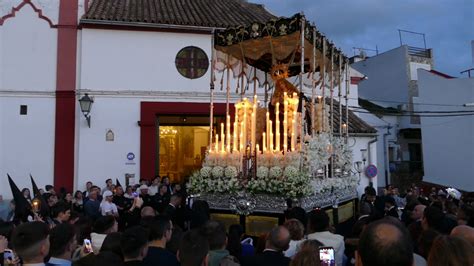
column 171, row 210
column 63, row 243
column 464, row 231
column 450, row 250
column 108, row 186
column 147, row 199
column 165, row 180
column 296, row 229
column 465, row 215
column 306, row 258
column 200, row 213
column 129, row 193
column 299, row 214
column 60, row 213
column 278, row 241
column 112, row 243
column 31, row 243
column 92, row 206
column 78, row 202
column 308, row 254
column 160, row 230
column 134, row 243
column 175, row 241
column 236, row 246
column 161, row 199
column 155, row 185
column 102, row 227
column 385, row 242
column 147, row 211
column 415, row 227
column 391, row 207
column 432, row 219
column 107, row 207
column 425, row 241
column 193, row 249
column 26, row 193
column 319, row 229
column 218, row 254
column 88, row 189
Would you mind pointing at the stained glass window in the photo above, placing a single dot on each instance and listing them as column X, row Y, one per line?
column 192, row 62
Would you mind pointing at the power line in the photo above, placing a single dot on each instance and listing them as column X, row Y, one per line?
column 385, row 101
column 405, row 111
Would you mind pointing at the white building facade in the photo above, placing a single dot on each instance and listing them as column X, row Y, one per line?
column 49, row 59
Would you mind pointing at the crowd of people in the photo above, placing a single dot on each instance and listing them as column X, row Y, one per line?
column 157, row 224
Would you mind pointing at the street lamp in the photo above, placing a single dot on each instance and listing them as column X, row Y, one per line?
column 86, row 104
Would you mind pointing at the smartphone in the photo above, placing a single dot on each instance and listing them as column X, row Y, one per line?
column 326, row 256
column 87, row 246
column 8, row 254
column 135, row 194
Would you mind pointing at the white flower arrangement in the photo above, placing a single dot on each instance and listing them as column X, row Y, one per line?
column 318, row 151
column 262, row 172
column 290, row 172
column 206, row 172
column 275, row 172
column 217, row 171
column 231, row 172
column 342, row 154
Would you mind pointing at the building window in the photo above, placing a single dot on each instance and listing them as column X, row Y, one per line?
column 192, row 62
column 23, row 109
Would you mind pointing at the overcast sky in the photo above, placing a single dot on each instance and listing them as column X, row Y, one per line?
column 448, row 25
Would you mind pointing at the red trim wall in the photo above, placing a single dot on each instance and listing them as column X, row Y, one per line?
column 65, row 95
column 148, row 117
column 20, row 6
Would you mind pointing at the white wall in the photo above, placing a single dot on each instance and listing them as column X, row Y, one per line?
column 28, row 53
column 99, row 159
column 448, row 142
column 135, row 60
column 27, row 141
column 387, row 77
column 356, row 144
column 28, row 47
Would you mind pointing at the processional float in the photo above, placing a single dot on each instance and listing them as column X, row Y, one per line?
column 286, row 138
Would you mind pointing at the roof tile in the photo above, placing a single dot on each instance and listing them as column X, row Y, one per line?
column 205, row 13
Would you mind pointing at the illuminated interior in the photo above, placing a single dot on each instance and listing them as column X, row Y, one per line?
column 182, row 149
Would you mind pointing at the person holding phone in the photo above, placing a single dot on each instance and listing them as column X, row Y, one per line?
column 63, row 243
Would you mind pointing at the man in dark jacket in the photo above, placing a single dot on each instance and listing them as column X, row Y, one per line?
column 278, row 241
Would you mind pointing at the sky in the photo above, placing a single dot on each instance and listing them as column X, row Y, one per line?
column 448, row 25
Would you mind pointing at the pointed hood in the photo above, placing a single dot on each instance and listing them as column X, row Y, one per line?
column 22, row 206
column 117, row 183
column 44, row 211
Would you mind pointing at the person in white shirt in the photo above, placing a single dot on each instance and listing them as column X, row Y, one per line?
column 319, row 228
column 107, row 207
column 153, row 189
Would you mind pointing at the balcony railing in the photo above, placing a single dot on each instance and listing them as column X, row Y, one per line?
column 421, row 52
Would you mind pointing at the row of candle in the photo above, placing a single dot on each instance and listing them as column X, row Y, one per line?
column 237, row 140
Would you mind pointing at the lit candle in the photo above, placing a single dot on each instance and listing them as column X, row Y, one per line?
column 285, row 122
column 244, row 128
column 254, row 123
column 234, row 148
column 271, row 137
column 228, row 133
column 217, row 143
column 264, row 142
column 277, row 126
column 222, row 138
column 258, row 148
column 268, row 129
column 344, row 129
column 293, row 136
column 241, row 144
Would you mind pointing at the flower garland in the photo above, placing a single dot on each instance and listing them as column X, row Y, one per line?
column 342, row 154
